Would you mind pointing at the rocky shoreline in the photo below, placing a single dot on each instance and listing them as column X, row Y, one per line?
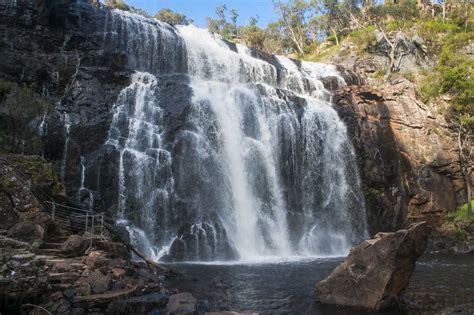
column 45, row 267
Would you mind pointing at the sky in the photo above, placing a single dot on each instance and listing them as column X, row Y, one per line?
column 198, row 10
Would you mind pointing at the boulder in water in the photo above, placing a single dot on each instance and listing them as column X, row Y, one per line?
column 139, row 305
column 182, row 303
column 376, row 271
column 202, row 241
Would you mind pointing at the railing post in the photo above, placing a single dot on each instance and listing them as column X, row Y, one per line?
column 87, row 221
column 54, row 211
column 101, row 225
column 92, row 226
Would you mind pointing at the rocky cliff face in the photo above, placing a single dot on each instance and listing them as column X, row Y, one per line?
column 407, row 150
column 409, row 169
column 68, row 63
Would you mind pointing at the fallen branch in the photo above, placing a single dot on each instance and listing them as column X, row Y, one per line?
column 37, row 307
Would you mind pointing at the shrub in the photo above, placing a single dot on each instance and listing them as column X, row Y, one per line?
column 20, row 104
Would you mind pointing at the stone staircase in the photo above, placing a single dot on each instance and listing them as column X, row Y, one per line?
column 52, row 247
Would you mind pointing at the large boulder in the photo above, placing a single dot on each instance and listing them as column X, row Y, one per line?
column 8, row 216
column 376, row 271
column 30, row 233
column 75, row 246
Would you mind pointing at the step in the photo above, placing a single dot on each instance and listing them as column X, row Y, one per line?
column 50, row 245
column 58, row 239
column 49, row 252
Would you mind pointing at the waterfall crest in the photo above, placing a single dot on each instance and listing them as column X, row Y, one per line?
column 227, row 156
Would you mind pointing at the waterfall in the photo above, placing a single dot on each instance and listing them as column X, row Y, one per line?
column 225, row 156
column 67, row 128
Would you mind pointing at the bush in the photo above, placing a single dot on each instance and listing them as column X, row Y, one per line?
column 117, row 4
column 461, row 213
column 20, row 105
column 454, row 74
column 363, row 37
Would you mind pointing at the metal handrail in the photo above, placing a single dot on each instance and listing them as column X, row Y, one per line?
column 59, row 212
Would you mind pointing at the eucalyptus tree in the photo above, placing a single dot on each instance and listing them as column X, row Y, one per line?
column 172, row 17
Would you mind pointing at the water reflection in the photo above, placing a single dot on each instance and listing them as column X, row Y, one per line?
column 288, row 287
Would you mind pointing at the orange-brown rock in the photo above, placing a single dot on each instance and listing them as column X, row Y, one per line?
column 376, row 271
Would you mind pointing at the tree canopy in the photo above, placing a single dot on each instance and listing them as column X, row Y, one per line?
column 172, row 17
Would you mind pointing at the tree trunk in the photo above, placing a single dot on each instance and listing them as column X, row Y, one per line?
column 444, row 10
column 335, row 36
column 464, row 170
column 469, row 194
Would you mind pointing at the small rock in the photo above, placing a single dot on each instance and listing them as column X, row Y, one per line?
column 139, row 305
column 99, row 283
column 84, row 290
column 182, row 304
column 23, row 258
column 61, row 266
column 118, row 273
column 56, row 296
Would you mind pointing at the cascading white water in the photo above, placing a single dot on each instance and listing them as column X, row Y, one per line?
column 136, row 133
column 67, row 127
column 223, row 155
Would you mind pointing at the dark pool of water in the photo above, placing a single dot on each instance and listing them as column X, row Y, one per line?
column 288, row 287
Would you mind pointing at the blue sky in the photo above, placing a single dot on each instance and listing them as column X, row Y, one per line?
column 198, row 10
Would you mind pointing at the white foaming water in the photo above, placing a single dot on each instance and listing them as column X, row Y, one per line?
column 136, row 133
column 139, row 240
column 67, row 127
column 258, row 148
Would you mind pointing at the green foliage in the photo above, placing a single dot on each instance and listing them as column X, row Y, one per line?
column 253, row 36
column 117, row 4
column 9, row 184
column 56, row 187
column 461, row 214
column 220, row 25
column 5, row 88
column 139, row 12
column 20, row 104
column 372, row 193
column 172, row 18
column 399, row 14
column 454, row 74
column 459, row 235
column 363, row 37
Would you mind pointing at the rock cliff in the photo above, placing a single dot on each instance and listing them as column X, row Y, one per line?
column 407, row 149
column 408, row 164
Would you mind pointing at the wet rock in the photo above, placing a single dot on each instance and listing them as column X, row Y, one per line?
column 118, row 273
column 99, row 282
column 202, row 241
column 376, row 271
column 75, row 246
column 182, row 304
column 62, row 266
column 27, row 232
column 114, row 249
column 8, row 216
column 95, row 260
column 139, row 305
